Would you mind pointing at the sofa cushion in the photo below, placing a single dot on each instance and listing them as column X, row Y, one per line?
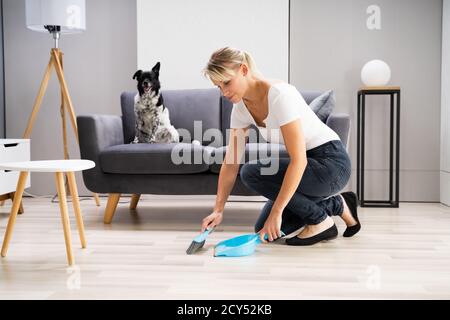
column 253, row 151
column 323, row 105
column 185, row 108
column 155, row 158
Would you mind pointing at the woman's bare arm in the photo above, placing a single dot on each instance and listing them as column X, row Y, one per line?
column 227, row 176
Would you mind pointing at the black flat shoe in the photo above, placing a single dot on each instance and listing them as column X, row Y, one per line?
column 328, row 234
column 352, row 204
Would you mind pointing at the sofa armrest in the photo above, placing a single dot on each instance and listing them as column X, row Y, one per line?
column 95, row 133
column 340, row 123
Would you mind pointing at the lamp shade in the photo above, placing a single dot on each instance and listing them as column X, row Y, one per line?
column 375, row 73
column 70, row 15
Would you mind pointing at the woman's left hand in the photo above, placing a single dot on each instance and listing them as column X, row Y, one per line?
column 272, row 227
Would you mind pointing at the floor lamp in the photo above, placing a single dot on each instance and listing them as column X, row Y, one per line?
column 56, row 17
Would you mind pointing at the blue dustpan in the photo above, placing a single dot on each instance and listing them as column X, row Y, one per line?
column 238, row 246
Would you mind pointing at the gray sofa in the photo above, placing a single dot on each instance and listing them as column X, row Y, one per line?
column 125, row 168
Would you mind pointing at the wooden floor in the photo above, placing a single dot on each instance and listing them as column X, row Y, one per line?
column 400, row 254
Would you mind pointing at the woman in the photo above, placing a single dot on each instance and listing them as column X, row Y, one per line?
column 301, row 192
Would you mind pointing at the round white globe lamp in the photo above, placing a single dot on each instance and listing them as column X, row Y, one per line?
column 375, row 73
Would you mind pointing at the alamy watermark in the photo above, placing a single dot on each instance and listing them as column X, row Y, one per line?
column 372, row 278
column 373, row 21
column 74, row 280
column 267, row 154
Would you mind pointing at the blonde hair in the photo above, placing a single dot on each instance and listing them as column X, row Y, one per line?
column 223, row 64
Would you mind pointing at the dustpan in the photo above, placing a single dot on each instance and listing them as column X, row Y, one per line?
column 239, row 246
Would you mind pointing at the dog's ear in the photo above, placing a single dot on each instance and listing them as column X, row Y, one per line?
column 156, row 67
column 137, row 74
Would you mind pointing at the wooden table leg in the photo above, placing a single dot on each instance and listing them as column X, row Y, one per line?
column 15, row 208
column 76, row 207
column 64, row 215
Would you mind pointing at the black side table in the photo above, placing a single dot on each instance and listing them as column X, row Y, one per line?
column 394, row 126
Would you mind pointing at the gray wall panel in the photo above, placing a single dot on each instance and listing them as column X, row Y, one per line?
column 99, row 65
column 330, row 43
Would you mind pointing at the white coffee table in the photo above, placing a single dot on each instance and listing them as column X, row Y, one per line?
column 59, row 167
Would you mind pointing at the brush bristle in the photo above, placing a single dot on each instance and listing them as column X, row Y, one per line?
column 195, row 246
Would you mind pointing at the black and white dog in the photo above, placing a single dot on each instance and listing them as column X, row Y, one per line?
column 152, row 118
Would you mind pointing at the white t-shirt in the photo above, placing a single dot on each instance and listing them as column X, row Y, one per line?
column 286, row 104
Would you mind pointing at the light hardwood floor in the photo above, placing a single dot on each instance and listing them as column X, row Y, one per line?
column 399, row 254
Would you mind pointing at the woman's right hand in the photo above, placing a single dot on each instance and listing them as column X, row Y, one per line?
column 214, row 219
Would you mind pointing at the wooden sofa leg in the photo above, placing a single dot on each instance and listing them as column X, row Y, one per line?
column 134, row 201
column 11, row 195
column 97, row 199
column 111, row 206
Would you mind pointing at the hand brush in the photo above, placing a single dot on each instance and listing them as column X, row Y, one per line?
column 198, row 241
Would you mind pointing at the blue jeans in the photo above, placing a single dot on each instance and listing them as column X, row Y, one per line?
column 327, row 172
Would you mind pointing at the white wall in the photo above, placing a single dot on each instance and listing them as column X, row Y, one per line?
column 182, row 35
column 445, row 105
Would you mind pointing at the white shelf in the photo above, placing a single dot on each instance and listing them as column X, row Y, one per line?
column 13, row 150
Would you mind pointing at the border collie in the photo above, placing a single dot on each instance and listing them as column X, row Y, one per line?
column 152, row 118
